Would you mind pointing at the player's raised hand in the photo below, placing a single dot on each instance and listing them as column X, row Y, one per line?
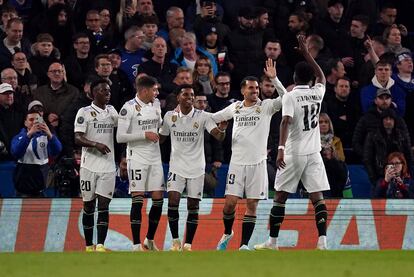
column 303, row 49
column 270, row 69
column 280, row 160
column 102, row 148
column 151, row 136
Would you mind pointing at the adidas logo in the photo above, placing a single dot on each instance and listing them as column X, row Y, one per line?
column 322, row 220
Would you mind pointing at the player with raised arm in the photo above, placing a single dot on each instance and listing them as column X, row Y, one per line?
column 139, row 120
column 94, row 131
column 248, row 168
column 299, row 148
column 186, row 126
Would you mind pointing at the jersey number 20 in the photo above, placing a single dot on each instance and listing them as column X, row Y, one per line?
column 310, row 116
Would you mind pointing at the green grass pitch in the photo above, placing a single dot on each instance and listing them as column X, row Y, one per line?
column 210, row 263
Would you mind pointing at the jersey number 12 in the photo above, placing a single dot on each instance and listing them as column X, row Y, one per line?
column 310, row 116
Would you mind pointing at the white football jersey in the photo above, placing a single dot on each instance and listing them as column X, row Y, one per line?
column 137, row 118
column 303, row 104
column 97, row 125
column 250, row 129
column 187, row 141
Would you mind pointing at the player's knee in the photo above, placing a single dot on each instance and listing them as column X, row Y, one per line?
column 281, row 197
column 89, row 206
column 103, row 203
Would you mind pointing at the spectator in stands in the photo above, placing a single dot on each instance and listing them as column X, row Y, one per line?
column 132, row 54
column 382, row 79
column 81, row 62
column 210, row 41
column 13, row 42
column 143, row 8
column 189, row 52
column 7, row 13
column 26, row 80
column 343, row 109
column 316, row 46
column 119, row 77
column 183, row 76
column 245, row 45
column 333, row 30
column 261, row 23
column 32, row 147
column 375, row 48
column 159, row 67
column 392, row 38
column 328, row 137
column 9, row 76
column 379, row 144
column 207, row 17
column 357, row 32
column 11, row 120
column 297, row 24
column 335, row 70
column 371, row 121
column 103, row 69
column 99, row 41
column 174, row 19
column 397, row 182
column 56, row 96
column 59, row 24
column 404, row 79
column 150, row 29
column 44, row 54
column 174, row 41
column 387, row 17
column 337, row 173
column 203, row 75
column 273, row 50
column 108, row 28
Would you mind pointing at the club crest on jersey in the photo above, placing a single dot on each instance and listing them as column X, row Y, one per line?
column 138, row 107
column 133, row 184
column 258, row 110
column 196, row 125
column 93, row 114
column 123, row 112
column 174, row 119
column 237, row 109
column 42, row 144
column 80, row 120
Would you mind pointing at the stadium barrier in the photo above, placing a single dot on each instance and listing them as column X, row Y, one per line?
column 55, row 225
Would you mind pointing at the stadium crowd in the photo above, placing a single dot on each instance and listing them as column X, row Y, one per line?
column 51, row 51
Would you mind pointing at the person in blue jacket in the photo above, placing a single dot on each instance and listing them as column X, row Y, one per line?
column 32, row 148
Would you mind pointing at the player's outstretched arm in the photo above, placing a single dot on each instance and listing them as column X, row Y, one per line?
column 81, row 140
column 320, row 77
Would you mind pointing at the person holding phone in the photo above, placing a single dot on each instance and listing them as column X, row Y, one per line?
column 32, row 148
column 397, row 181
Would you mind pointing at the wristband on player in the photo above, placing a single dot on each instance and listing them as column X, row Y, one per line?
column 281, row 147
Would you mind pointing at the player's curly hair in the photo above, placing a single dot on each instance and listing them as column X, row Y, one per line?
column 303, row 73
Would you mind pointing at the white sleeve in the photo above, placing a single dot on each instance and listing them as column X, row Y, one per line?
column 80, row 122
column 288, row 106
column 165, row 128
column 224, row 115
column 124, row 120
column 209, row 124
column 281, row 90
column 115, row 117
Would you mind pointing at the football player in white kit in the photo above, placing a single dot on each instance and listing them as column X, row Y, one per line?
column 248, row 168
column 94, row 131
column 186, row 126
column 139, row 120
column 299, row 148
